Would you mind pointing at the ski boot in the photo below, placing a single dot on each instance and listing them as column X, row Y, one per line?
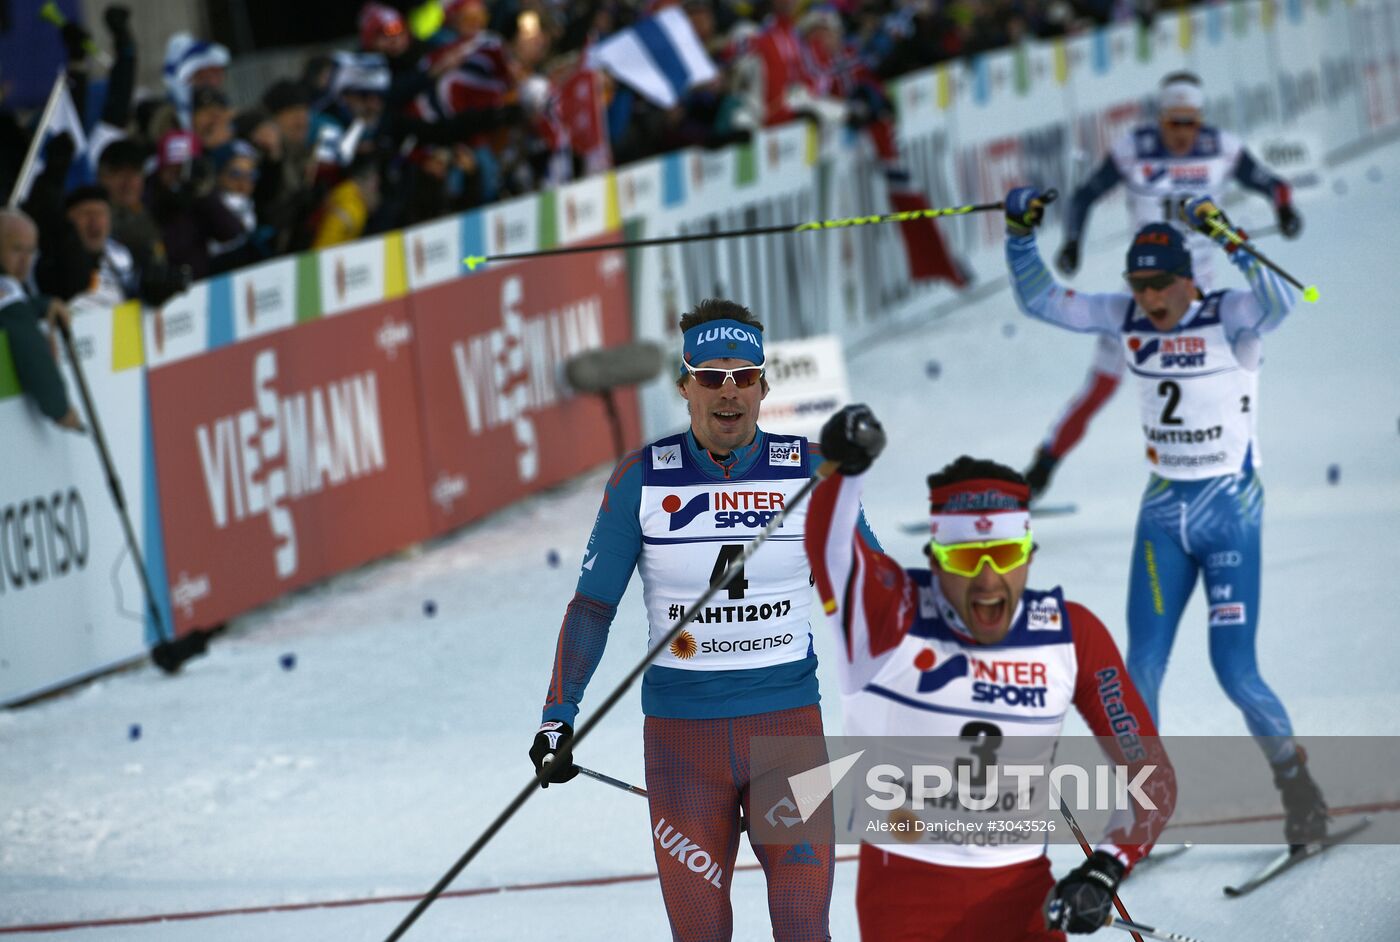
column 1305, row 820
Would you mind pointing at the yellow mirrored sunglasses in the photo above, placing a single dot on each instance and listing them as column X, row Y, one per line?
column 967, row 559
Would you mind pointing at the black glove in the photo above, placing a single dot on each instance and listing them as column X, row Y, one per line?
column 118, row 20
column 1083, row 900
column 1025, row 208
column 75, row 41
column 1067, row 261
column 1289, row 222
column 1205, row 216
column 853, row 438
column 553, row 742
column 160, row 281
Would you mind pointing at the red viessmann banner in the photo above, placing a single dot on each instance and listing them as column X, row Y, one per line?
column 498, row 421
column 286, row 459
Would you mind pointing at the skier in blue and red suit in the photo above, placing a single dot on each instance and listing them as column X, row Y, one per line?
column 681, row 510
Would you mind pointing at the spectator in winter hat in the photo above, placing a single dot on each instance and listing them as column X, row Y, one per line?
column 289, row 103
column 191, row 62
column 111, row 275
column 174, row 153
column 189, row 214
column 211, row 118
column 359, row 84
column 74, row 248
column 235, row 178
column 283, row 194
column 121, row 171
column 382, row 30
column 462, row 19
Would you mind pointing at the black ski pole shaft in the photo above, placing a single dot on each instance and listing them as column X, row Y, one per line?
column 1088, row 852
column 609, row 780
column 817, row 225
column 634, row 789
column 1310, row 292
column 728, row 576
column 114, row 484
column 1137, row 928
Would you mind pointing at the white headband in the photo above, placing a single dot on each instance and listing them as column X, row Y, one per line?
column 949, row 529
column 1182, row 95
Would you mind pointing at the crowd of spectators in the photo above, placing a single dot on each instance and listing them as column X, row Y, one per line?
column 408, row 123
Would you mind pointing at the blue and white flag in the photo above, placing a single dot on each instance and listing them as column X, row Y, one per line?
column 60, row 116
column 660, row 57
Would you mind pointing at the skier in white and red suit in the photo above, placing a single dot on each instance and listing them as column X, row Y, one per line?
column 832, row 69
column 916, row 640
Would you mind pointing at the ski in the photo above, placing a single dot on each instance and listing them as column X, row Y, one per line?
column 1054, row 510
column 1161, row 856
column 1037, row 510
column 1291, row 858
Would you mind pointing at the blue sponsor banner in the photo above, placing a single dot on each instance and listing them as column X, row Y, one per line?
column 1101, row 60
column 220, row 312
column 672, row 179
column 981, row 80
column 1215, row 24
column 473, row 235
column 153, row 536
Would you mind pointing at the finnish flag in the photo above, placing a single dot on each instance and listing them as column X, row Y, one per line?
column 660, row 57
column 60, row 116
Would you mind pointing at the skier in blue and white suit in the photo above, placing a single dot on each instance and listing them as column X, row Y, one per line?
column 1161, row 165
column 1196, row 360
column 680, row 510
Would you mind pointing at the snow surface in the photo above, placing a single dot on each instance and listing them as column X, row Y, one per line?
column 369, row 768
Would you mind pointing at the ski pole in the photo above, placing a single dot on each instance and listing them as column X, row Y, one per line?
column 730, row 573
column 1138, row 929
column 1088, row 852
column 634, row 789
column 169, row 652
column 605, row 779
column 1310, row 292
column 818, row 225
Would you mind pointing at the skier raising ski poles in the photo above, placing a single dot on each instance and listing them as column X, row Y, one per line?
column 1196, row 359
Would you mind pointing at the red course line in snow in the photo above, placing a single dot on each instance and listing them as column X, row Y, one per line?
column 1338, row 812
column 338, row 904
column 1379, row 806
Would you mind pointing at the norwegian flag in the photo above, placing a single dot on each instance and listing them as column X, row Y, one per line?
column 581, row 110
column 481, row 77
column 570, row 121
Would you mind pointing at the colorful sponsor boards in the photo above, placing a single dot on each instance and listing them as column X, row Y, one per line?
column 264, row 298
column 359, row 273
column 301, row 461
column 498, row 420
column 433, row 252
column 70, row 595
column 179, row 328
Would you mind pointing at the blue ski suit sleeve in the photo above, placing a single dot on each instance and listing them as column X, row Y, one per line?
column 607, row 567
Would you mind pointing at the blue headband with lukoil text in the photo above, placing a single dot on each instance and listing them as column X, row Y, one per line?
column 722, row 339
